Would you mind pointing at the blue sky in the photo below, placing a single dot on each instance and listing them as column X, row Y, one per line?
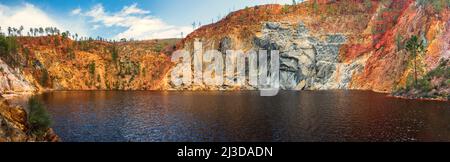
column 138, row 19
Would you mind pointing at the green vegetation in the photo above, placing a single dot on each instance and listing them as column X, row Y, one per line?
column 437, row 5
column 70, row 53
column 331, row 10
column 108, row 87
column 114, row 53
column 162, row 44
column 285, row 9
column 26, row 53
column 368, row 4
column 84, row 45
column 159, row 47
column 38, row 119
column 64, row 35
column 92, row 68
column 415, row 48
column 442, row 70
column 432, row 85
column 398, row 42
column 8, row 45
column 340, row 8
column 129, row 68
column 386, row 18
column 56, row 41
column 98, row 78
column 8, row 48
column 315, row 6
column 44, row 77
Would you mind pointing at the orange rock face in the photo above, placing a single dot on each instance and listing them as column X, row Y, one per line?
column 376, row 30
column 53, row 63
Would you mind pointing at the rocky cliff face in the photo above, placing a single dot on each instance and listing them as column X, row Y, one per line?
column 55, row 63
column 307, row 61
column 13, row 81
column 335, row 44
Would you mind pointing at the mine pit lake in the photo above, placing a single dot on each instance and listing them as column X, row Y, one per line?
column 341, row 115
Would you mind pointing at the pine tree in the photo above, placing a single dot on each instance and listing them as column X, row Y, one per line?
column 9, row 31
column 415, row 48
column 41, row 31
column 20, row 30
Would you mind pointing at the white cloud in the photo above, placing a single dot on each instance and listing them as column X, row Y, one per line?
column 139, row 23
column 76, row 11
column 128, row 10
column 95, row 27
column 30, row 16
column 27, row 15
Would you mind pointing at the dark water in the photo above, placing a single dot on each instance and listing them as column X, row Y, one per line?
column 245, row 116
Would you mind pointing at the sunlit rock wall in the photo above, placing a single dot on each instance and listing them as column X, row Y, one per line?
column 306, row 61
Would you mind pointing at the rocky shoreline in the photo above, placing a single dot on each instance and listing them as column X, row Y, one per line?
column 14, row 126
column 419, row 98
column 415, row 97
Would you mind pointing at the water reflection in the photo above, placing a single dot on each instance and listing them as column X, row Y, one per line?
column 245, row 116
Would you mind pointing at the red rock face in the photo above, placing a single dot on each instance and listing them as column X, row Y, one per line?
column 350, row 52
column 387, row 65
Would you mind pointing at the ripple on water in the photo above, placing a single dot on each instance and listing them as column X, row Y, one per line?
column 245, row 116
